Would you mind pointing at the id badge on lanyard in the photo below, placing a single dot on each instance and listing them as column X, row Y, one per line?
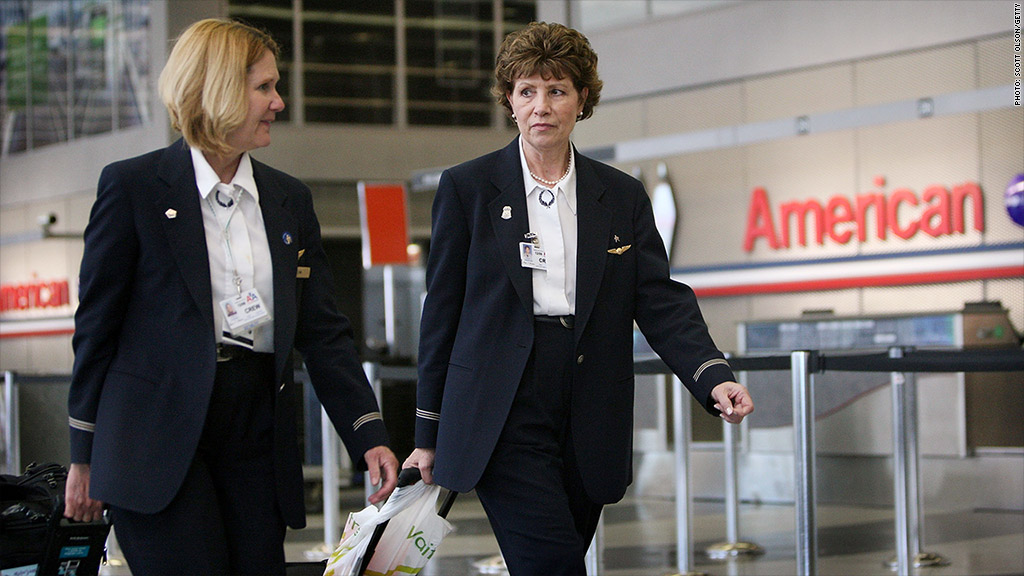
column 244, row 312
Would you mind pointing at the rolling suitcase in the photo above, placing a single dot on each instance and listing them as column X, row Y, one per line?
column 35, row 538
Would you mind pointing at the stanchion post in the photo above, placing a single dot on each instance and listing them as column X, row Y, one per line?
column 804, row 461
column 331, row 446
column 371, row 370
column 909, row 512
column 594, row 559
column 732, row 547
column 12, row 445
column 684, row 505
column 899, row 468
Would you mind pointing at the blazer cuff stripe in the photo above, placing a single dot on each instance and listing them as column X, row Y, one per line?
column 82, row 425
column 708, row 364
column 370, row 417
column 436, row 417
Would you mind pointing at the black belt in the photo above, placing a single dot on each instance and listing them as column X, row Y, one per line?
column 230, row 352
column 565, row 321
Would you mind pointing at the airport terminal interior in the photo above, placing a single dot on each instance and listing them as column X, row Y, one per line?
column 841, row 182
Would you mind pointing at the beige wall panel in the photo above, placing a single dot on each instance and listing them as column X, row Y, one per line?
column 333, row 153
column 915, row 75
column 916, row 155
column 612, row 122
column 695, row 110
column 814, row 167
column 1002, row 157
column 77, row 210
column 14, row 220
column 995, row 61
column 723, row 315
column 14, row 262
column 14, row 353
column 784, row 306
column 49, row 355
column 927, row 298
column 710, row 202
column 799, row 93
column 1011, row 293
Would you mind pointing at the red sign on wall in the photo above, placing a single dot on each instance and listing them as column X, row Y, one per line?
column 35, row 295
column 939, row 211
column 385, row 224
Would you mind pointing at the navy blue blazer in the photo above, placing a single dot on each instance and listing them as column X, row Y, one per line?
column 477, row 325
column 145, row 353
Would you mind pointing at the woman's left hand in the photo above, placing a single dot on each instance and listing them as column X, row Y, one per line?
column 382, row 464
column 733, row 401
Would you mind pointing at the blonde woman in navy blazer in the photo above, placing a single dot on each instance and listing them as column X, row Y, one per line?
column 188, row 435
column 528, row 398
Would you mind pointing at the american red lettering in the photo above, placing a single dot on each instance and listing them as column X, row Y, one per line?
column 937, row 212
column 34, row 295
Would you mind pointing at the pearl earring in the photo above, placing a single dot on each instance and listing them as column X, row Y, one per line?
column 579, row 116
column 514, row 119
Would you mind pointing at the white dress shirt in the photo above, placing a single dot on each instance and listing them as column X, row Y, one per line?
column 554, row 291
column 236, row 240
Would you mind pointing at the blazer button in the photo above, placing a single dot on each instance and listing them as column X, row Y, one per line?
column 579, row 359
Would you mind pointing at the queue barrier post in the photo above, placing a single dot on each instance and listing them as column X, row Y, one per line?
column 906, row 476
column 332, row 499
column 9, row 425
column 684, row 504
column 372, row 371
column 331, row 461
column 733, row 546
column 594, row 560
column 804, row 461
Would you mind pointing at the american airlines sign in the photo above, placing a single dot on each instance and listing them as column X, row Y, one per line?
column 936, row 211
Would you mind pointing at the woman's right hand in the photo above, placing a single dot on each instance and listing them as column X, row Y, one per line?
column 422, row 458
column 77, row 504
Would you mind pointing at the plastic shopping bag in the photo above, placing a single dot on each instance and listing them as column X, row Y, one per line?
column 414, row 531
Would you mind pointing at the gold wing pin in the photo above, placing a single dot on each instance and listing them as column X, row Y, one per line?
column 618, row 251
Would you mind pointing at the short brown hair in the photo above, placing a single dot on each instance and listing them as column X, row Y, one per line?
column 203, row 83
column 553, row 51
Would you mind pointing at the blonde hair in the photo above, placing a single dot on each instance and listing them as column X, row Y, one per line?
column 553, row 51
column 203, row 84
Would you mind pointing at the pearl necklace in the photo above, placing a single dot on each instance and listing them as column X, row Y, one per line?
column 549, row 183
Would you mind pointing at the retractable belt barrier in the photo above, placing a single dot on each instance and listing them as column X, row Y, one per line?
column 803, row 365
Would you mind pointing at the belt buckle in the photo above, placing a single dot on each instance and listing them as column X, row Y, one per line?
column 567, row 321
column 224, row 354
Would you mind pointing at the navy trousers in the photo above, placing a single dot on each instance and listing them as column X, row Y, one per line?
column 531, row 488
column 225, row 518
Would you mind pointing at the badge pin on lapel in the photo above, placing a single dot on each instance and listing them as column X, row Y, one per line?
column 506, row 213
column 287, row 237
column 171, row 213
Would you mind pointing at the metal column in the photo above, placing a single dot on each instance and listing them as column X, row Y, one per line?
column 804, row 460
column 732, row 546
column 9, row 425
column 906, row 476
column 332, row 499
column 684, row 505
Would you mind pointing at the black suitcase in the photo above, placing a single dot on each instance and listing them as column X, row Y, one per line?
column 34, row 532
